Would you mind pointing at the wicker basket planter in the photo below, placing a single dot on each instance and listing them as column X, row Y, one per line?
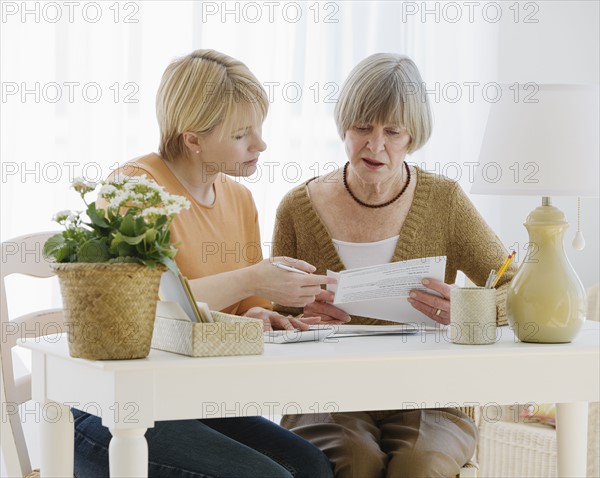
column 109, row 308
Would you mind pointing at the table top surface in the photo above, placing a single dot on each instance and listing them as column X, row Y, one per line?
column 355, row 373
column 423, row 344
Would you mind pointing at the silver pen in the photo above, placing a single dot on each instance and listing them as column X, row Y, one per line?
column 281, row 265
column 490, row 280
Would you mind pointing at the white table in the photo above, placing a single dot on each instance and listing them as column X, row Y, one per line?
column 366, row 373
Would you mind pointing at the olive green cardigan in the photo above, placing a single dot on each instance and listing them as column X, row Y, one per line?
column 441, row 221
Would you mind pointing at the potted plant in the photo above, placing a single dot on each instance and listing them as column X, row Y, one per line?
column 109, row 266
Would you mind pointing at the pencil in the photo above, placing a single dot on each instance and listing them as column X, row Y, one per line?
column 504, row 266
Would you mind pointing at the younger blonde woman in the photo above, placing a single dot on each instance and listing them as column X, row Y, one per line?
column 210, row 110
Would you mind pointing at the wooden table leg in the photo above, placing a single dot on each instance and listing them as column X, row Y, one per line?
column 571, row 439
column 128, row 453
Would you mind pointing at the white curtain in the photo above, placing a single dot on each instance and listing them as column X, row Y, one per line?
column 79, row 81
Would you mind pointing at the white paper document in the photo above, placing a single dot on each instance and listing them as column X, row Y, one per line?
column 381, row 291
column 364, row 330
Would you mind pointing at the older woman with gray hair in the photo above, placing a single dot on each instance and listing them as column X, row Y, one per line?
column 379, row 209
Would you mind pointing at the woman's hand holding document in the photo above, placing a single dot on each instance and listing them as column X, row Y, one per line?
column 381, row 291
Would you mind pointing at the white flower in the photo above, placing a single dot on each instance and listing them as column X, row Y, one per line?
column 107, row 190
column 82, row 186
column 153, row 211
column 118, row 200
column 164, row 197
column 61, row 216
column 149, row 183
column 143, row 195
column 172, row 210
column 137, row 197
column 176, row 203
column 67, row 217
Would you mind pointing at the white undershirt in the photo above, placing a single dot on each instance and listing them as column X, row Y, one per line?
column 363, row 254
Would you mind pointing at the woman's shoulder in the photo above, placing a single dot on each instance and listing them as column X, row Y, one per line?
column 305, row 199
column 323, row 184
column 440, row 193
column 149, row 165
column 434, row 178
column 295, row 197
column 436, row 182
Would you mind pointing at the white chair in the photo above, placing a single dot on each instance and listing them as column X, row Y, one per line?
column 21, row 255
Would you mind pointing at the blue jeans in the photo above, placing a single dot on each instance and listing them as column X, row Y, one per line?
column 251, row 447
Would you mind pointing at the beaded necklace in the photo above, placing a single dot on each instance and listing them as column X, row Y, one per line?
column 375, row 206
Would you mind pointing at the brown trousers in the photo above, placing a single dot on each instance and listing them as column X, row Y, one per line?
column 391, row 444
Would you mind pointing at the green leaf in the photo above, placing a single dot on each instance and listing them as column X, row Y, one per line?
column 93, row 250
column 114, row 244
column 150, row 235
column 125, row 250
column 133, row 240
column 161, row 221
column 127, row 227
column 65, row 254
column 97, row 216
column 140, row 226
column 149, row 263
column 113, row 216
column 53, row 244
column 124, row 259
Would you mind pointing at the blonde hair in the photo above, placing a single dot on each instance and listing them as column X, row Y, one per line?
column 203, row 90
column 385, row 88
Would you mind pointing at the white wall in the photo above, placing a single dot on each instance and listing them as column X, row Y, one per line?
column 562, row 47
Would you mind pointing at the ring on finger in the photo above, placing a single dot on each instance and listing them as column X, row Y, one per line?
column 438, row 312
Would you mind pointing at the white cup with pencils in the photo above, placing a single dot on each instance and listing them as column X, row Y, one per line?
column 473, row 313
column 473, row 310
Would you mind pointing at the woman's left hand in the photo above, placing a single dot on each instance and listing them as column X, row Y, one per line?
column 433, row 306
column 274, row 321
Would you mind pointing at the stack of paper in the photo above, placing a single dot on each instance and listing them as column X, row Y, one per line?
column 175, row 288
column 380, row 291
